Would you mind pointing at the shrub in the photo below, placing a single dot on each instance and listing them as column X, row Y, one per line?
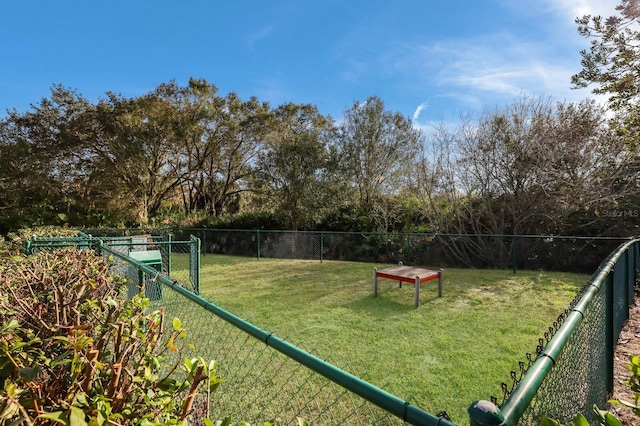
column 72, row 351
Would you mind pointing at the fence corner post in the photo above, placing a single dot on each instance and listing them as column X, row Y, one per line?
column 485, row 413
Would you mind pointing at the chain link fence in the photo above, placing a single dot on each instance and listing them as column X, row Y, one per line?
column 177, row 260
column 266, row 379
column 573, row 368
column 532, row 252
column 269, row 379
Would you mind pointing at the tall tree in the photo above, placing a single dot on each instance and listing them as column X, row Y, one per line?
column 379, row 149
column 378, row 146
column 134, row 148
column 42, row 151
column 612, row 64
column 293, row 170
column 219, row 140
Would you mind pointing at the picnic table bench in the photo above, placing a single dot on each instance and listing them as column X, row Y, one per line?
column 408, row 274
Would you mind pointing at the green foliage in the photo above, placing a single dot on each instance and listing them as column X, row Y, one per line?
column 73, row 352
column 604, row 418
column 15, row 241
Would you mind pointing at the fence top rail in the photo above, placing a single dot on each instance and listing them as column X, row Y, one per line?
column 87, row 237
column 430, row 234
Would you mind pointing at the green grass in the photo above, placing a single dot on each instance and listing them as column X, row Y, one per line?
column 444, row 355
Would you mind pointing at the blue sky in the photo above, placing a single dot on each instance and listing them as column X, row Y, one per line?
column 429, row 60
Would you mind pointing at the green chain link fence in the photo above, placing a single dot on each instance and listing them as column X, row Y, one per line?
column 532, row 252
column 273, row 380
column 573, row 367
column 266, row 378
column 178, row 260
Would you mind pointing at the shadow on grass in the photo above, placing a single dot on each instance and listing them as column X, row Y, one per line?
column 388, row 303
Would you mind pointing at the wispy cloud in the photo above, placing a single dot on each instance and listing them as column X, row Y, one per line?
column 258, row 35
column 499, row 64
column 572, row 9
column 416, row 113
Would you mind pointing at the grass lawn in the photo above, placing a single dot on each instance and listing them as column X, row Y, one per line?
column 444, row 355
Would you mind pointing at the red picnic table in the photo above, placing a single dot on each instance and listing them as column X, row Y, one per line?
column 408, row 274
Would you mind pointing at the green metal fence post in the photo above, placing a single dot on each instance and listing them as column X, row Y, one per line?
column 258, row 243
column 321, row 247
column 513, row 254
column 204, row 241
column 169, row 250
column 610, row 334
column 625, row 287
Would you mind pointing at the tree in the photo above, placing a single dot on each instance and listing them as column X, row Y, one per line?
column 532, row 167
column 612, row 64
column 378, row 149
column 294, row 169
column 135, row 165
column 43, row 173
column 612, row 61
column 219, row 139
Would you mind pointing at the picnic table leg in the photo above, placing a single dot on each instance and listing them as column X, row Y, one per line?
column 417, row 291
column 375, row 282
column 440, row 284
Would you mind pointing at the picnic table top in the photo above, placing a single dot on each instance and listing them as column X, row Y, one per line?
column 409, row 272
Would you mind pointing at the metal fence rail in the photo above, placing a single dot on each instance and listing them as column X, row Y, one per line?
column 574, row 367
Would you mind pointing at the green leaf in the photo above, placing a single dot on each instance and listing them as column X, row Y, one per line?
column 580, row 420
column 177, row 324
column 549, row 422
column 56, row 416
column 81, row 399
column 29, row 373
column 225, row 422
column 77, row 417
column 610, row 420
column 10, row 325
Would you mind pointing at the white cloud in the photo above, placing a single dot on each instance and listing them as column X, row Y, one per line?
column 258, row 34
column 498, row 63
column 572, row 9
column 416, row 113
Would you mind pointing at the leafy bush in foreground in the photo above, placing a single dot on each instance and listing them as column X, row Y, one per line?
column 73, row 352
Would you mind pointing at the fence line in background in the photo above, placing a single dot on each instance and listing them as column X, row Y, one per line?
column 532, row 252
